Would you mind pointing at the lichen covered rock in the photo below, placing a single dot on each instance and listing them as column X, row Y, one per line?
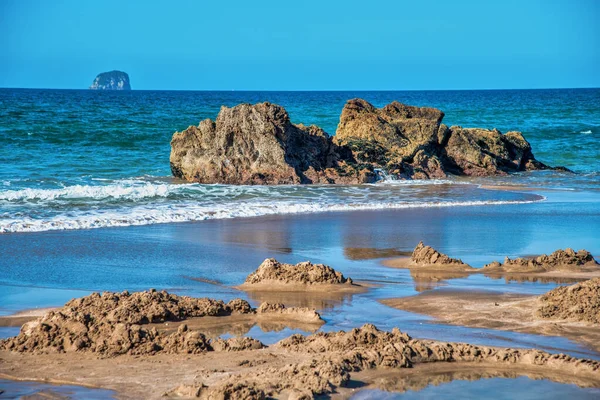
column 257, row 144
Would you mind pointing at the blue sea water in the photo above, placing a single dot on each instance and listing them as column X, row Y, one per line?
column 74, row 159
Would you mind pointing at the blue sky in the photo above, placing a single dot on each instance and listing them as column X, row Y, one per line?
column 302, row 45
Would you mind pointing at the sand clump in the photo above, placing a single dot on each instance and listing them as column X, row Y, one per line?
column 579, row 302
column 560, row 264
column 560, row 260
column 112, row 324
column 331, row 358
column 427, row 255
column 426, row 258
column 273, row 275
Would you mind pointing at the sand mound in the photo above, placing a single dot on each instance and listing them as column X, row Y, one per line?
column 329, row 359
column 113, row 323
column 427, row 256
column 565, row 260
column 275, row 274
column 579, row 302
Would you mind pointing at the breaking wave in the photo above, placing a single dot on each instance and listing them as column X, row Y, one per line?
column 145, row 215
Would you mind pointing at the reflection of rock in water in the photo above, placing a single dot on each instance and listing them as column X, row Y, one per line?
column 239, row 325
column 401, row 381
column 430, row 280
column 368, row 253
column 316, row 300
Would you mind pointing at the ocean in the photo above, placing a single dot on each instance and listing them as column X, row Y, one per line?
column 80, row 159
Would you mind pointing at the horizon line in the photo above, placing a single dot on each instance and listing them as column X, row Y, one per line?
column 303, row 90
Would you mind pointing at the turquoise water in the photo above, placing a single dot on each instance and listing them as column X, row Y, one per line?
column 76, row 159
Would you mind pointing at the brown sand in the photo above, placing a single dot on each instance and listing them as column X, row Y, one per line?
column 492, row 310
column 297, row 367
column 430, row 266
column 111, row 324
column 273, row 276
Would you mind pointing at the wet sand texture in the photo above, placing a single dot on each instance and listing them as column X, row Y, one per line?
column 120, row 323
column 571, row 311
column 296, row 367
column 272, row 275
column 560, row 264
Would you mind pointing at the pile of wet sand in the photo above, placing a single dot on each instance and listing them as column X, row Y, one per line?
column 119, row 323
column 560, row 264
column 273, row 275
column 329, row 360
column 579, row 302
column 569, row 311
column 560, row 260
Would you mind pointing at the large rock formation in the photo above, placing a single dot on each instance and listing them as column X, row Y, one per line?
column 411, row 142
column 113, row 80
column 257, row 144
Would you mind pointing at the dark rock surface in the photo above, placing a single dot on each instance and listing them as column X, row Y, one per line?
column 113, row 80
column 257, row 144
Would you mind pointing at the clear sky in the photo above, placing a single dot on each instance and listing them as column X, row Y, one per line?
column 303, row 44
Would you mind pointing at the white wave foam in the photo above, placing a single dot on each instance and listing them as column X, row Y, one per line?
column 133, row 189
column 129, row 190
column 193, row 212
column 586, row 132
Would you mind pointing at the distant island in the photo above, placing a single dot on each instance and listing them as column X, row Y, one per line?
column 113, row 80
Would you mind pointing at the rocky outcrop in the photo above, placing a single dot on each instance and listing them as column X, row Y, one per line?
column 579, row 302
column 113, row 80
column 257, row 144
column 272, row 272
column 397, row 137
column 566, row 260
column 411, row 142
column 111, row 324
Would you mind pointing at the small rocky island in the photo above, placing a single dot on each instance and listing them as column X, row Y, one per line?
column 113, row 80
column 258, row 144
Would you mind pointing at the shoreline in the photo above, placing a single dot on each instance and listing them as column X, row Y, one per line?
column 494, row 310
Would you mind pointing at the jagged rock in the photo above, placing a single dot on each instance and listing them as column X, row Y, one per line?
column 481, row 152
column 411, row 142
column 566, row 259
column 391, row 137
column 579, row 302
column 113, row 80
column 257, row 144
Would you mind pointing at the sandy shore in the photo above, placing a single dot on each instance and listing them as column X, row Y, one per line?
column 176, row 375
column 492, row 310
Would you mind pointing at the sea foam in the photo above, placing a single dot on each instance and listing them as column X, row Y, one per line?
column 145, row 215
